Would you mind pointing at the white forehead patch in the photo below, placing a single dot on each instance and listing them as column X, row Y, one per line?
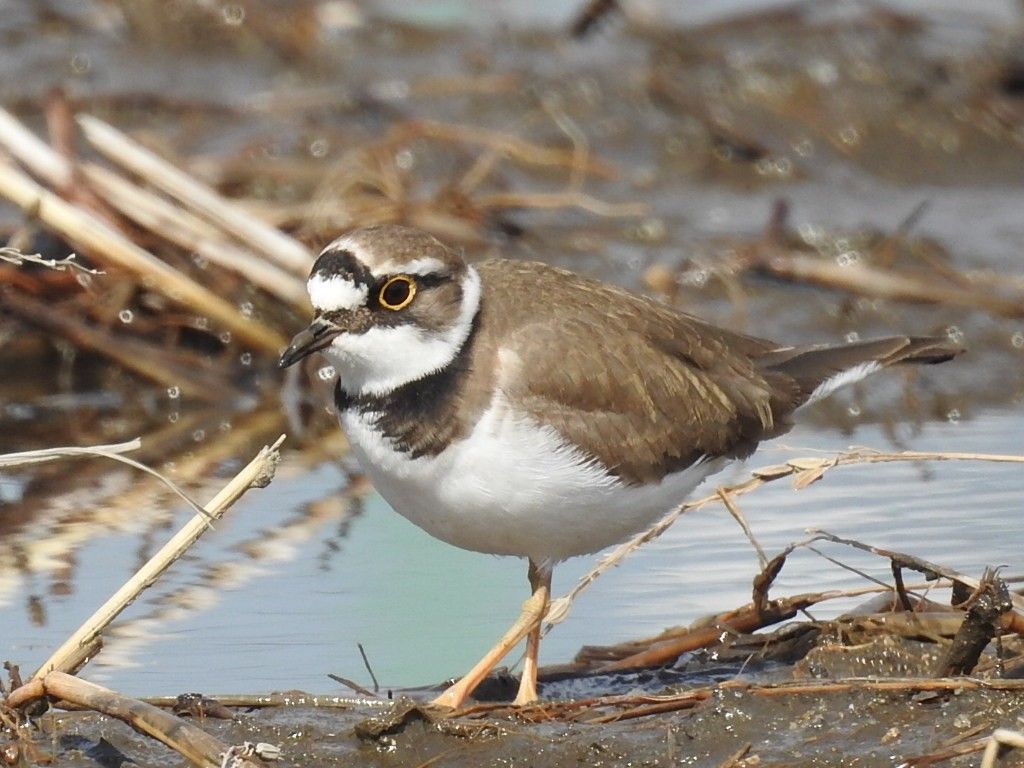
column 333, row 293
column 425, row 265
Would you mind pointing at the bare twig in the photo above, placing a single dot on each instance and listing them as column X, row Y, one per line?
column 112, row 452
column 289, row 699
column 910, row 561
column 800, row 470
column 195, row 744
column 629, row 707
column 258, row 472
column 1001, row 737
column 369, row 669
column 53, row 454
column 734, row 510
column 14, row 256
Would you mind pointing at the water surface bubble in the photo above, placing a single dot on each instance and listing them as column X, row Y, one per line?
column 233, row 13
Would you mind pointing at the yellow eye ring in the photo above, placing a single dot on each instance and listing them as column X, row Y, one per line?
column 397, row 292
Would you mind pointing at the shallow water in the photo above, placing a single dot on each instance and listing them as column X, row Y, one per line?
column 287, row 586
column 422, row 609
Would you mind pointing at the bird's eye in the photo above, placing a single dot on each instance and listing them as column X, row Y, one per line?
column 397, row 292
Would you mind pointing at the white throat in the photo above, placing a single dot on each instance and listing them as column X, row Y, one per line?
column 382, row 359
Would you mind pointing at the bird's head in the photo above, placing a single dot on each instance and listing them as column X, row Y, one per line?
column 392, row 304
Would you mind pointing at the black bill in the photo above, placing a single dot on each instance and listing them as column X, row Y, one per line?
column 318, row 335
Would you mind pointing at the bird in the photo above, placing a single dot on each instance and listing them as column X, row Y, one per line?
column 515, row 408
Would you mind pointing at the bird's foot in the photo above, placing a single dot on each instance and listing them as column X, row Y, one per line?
column 454, row 696
column 527, row 691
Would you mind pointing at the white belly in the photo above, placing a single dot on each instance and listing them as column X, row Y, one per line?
column 513, row 487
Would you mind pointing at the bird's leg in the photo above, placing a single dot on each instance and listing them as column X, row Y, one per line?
column 531, row 616
column 540, row 583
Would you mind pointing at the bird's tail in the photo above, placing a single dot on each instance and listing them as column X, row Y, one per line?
column 818, row 371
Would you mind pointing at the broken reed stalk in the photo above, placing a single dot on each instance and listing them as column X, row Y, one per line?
column 283, row 249
column 745, row 619
column 1000, row 738
column 938, row 623
column 884, row 283
column 87, row 231
column 33, row 151
column 257, row 472
column 802, row 471
column 150, row 211
column 195, row 744
column 184, row 229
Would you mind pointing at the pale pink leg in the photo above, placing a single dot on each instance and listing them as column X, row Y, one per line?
column 540, row 582
column 528, row 623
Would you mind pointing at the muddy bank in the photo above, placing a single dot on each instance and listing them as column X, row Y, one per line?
column 837, row 707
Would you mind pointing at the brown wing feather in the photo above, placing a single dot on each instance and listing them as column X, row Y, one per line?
column 664, row 390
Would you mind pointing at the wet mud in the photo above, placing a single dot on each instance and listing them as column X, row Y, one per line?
column 867, row 704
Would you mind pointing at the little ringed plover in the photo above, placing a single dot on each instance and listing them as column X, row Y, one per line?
column 518, row 409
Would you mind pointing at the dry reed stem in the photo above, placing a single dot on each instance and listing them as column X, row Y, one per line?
column 434, row 86
column 916, row 563
column 734, row 510
column 802, row 471
column 749, row 618
column 184, row 229
column 1001, row 737
column 938, row 622
column 992, row 745
column 102, row 242
column 41, row 455
column 194, row 744
column 521, row 150
column 283, row 249
column 866, row 280
column 150, row 211
column 745, row 619
column 556, row 200
column 33, row 151
column 112, row 451
column 99, row 506
column 257, row 472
